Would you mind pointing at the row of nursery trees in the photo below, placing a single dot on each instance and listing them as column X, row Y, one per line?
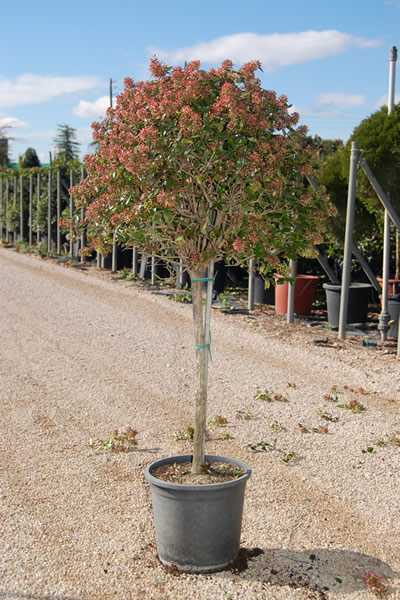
column 198, row 166
column 24, row 192
column 34, row 197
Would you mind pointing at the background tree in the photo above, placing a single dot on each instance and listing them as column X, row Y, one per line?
column 67, row 146
column 30, row 159
column 379, row 139
column 201, row 166
column 4, row 158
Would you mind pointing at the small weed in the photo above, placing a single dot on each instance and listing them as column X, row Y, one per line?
column 275, row 426
column 262, row 446
column 327, row 416
column 218, row 469
column 180, row 436
column 183, row 297
column 270, row 447
column 280, row 398
column 264, row 396
column 391, row 440
column 375, row 585
column 320, row 429
column 126, row 274
column 118, row 442
column 217, row 421
column 359, row 390
column 368, row 449
column 244, row 415
column 332, row 395
column 288, row 457
column 353, row 406
column 225, row 435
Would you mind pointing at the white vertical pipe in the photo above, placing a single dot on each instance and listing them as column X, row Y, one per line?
column 348, row 240
column 291, row 292
column 384, row 315
column 252, row 283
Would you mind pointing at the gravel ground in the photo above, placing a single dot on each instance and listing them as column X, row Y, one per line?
column 82, row 354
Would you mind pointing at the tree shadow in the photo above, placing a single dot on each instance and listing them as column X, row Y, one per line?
column 319, row 570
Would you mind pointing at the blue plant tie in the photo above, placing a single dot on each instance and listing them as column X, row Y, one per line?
column 206, row 278
column 206, row 346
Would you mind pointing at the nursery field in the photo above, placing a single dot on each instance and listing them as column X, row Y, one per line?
column 317, row 419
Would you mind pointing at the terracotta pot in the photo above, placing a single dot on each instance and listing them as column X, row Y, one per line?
column 303, row 296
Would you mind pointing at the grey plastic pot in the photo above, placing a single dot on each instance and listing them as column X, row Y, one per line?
column 197, row 526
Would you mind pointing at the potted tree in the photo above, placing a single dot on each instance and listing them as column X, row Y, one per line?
column 198, row 166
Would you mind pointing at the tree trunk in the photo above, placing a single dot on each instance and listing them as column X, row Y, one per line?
column 202, row 342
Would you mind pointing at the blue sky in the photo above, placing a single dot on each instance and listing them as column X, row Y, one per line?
column 330, row 57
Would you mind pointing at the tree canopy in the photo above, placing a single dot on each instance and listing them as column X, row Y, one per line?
column 30, row 159
column 203, row 164
column 67, row 146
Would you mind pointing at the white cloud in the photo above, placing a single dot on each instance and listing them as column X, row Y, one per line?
column 273, row 50
column 33, row 89
column 12, row 123
column 341, row 100
column 92, row 110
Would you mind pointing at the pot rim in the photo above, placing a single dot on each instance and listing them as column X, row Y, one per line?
column 196, row 488
column 355, row 285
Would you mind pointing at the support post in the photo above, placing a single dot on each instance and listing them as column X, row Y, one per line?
column 114, row 255
column 30, row 210
column 383, row 324
column 344, row 297
column 153, row 269
column 7, row 201
column 71, row 213
column 58, row 211
column 21, row 208
column 291, row 292
column 134, row 261
column 1, row 208
column 49, row 211
column 252, row 283
column 38, row 209
column 15, row 206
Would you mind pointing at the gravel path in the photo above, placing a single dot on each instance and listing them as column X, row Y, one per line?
column 82, row 355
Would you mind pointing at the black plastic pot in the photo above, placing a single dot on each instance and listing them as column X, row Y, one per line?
column 263, row 295
column 359, row 296
column 394, row 311
column 197, row 526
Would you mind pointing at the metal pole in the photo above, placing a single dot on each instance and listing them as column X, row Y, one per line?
column 30, row 208
column 71, row 213
column 207, row 317
column 383, row 324
column 15, row 206
column 1, row 208
column 114, row 255
column 291, row 292
column 83, row 236
column 49, row 211
column 111, row 100
column 58, row 211
column 384, row 316
column 134, row 261
column 38, row 209
column 153, row 270
column 21, row 207
column 348, row 240
column 366, row 268
column 252, row 283
column 7, row 200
